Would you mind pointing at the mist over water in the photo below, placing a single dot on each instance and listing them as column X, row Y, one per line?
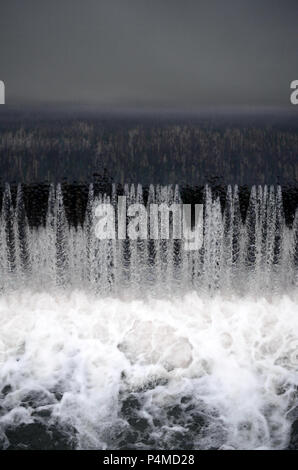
column 141, row 344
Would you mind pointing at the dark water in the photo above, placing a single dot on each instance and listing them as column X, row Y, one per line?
column 190, row 150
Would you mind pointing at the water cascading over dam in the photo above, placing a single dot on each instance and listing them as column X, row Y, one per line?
column 258, row 254
column 143, row 344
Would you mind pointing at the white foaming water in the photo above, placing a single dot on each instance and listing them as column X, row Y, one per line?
column 197, row 371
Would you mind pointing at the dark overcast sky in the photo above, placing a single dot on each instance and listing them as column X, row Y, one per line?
column 181, row 53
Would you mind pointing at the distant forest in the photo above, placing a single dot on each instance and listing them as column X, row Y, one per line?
column 189, row 152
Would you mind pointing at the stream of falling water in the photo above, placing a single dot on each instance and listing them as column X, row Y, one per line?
column 141, row 344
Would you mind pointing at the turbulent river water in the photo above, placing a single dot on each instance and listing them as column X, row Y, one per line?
column 141, row 344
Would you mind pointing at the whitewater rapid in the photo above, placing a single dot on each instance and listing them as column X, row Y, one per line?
column 186, row 372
